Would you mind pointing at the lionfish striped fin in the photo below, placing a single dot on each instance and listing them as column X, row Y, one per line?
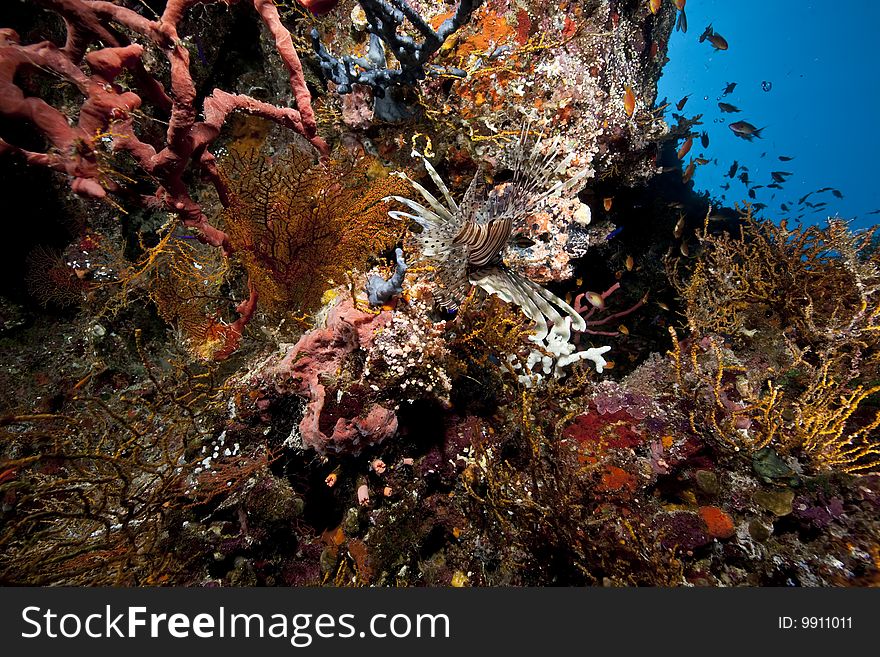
column 535, row 164
column 537, row 303
column 430, row 199
column 453, row 206
column 484, row 241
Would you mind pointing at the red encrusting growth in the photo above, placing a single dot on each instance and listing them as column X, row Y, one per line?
column 107, row 109
column 106, row 117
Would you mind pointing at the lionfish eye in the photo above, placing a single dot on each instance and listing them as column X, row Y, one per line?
column 523, row 241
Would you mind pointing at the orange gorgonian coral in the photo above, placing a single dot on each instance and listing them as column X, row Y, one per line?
column 298, row 226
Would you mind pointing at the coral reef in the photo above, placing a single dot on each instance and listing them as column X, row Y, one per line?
column 298, row 226
column 220, row 369
column 107, row 116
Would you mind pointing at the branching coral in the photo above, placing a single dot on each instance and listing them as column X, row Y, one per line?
column 384, row 21
column 90, row 488
column 823, row 283
column 826, row 421
column 588, row 304
column 805, row 304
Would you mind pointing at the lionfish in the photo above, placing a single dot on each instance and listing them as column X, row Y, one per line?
column 465, row 241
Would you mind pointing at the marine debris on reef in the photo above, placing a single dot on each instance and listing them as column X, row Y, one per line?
column 221, row 347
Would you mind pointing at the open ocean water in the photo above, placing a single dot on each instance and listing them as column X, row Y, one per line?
column 805, row 72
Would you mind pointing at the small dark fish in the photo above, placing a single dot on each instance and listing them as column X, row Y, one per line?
column 725, row 186
column 745, row 130
column 766, row 85
column 764, row 154
column 744, row 177
column 805, row 197
column 718, row 41
column 680, row 104
column 704, row 139
column 727, row 107
column 706, row 33
column 823, row 190
column 757, row 186
column 821, row 205
column 877, row 211
column 759, row 206
column 752, row 193
column 779, row 176
column 728, row 89
column 774, row 186
column 784, row 207
column 785, row 158
column 682, row 23
column 837, row 193
column 733, row 168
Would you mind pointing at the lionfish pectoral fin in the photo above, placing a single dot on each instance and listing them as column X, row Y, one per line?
column 430, row 199
column 453, row 206
column 425, row 216
column 503, row 284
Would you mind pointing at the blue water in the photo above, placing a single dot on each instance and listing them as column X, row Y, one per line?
column 823, row 108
